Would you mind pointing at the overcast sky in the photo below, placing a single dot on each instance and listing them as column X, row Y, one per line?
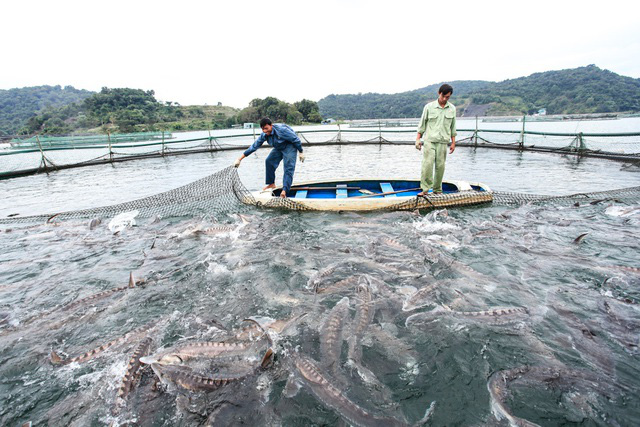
column 197, row 52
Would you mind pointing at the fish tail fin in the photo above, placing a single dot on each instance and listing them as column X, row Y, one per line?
column 267, row 358
column 132, row 280
column 55, row 358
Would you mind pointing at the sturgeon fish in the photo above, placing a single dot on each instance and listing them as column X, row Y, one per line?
column 337, row 286
column 184, row 378
column 395, row 244
column 421, row 298
column 276, row 326
column 91, row 298
column 504, row 313
column 558, row 377
column 315, row 280
column 498, row 392
column 495, row 316
column 394, row 348
column 132, row 373
column 218, row 229
column 182, row 353
column 216, row 373
column 311, row 376
column 196, row 230
column 585, row 338
column 99, row 295
column 331, row 335
column 364, row 315
column 459, row 267
column 57, row 360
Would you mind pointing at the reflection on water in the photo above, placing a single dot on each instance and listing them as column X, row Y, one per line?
column 469, row 315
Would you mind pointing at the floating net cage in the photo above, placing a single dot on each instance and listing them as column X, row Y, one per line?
column 39, row 157
column 223, row 191
column 72, row 140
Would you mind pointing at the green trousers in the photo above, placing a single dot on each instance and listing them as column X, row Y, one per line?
column 433, row 154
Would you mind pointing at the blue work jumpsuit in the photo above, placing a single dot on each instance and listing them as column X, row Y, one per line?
column 285, row 143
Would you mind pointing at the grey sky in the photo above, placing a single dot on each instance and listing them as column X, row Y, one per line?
column 197, row 52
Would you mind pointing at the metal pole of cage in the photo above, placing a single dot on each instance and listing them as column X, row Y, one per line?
column 521, row 143
column 109, row 143
column 475, row 134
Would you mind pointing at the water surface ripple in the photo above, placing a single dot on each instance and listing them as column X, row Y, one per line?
column 439, row 286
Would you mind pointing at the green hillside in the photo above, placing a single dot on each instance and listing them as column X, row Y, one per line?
column 18, row 105
column 580, row 90
column 126, row 110
column 122, row 110
column 380, row 105
column 199, row 117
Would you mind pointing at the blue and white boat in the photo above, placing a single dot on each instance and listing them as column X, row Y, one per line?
column 373, row 194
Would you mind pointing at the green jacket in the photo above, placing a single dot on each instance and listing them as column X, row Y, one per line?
column 438, row 122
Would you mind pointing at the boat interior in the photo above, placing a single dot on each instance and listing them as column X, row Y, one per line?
column 361, row 189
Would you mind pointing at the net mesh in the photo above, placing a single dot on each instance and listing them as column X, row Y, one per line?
column 623, row 195
column 218, row 193
column 223, row 192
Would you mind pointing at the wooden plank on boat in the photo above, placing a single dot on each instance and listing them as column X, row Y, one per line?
column 384, row 194
column 387, row 188
column 301, row 194
column 341, row 191
column 323, row 188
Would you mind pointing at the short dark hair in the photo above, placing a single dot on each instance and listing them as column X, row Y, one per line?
column 445, row 89
column 265, row 121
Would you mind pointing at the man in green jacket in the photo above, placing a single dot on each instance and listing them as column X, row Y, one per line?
column 438, row 125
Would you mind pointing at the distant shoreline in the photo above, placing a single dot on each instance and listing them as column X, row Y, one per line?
column 406, row 122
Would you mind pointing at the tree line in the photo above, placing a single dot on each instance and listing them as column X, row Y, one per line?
column 280, row 111
column 126, row 110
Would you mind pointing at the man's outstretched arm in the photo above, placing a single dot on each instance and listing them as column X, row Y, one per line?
column 257, row 144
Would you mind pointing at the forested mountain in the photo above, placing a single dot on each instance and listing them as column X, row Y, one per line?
column 381, row 105
column 57, row 110
column 18, row 105
column 580, row 90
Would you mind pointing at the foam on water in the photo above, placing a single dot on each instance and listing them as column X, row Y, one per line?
column 623, row 211
column 262, row 269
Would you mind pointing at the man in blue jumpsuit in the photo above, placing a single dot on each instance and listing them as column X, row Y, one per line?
column 285, row 143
